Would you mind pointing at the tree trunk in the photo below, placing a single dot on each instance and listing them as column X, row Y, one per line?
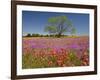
column 59, row 35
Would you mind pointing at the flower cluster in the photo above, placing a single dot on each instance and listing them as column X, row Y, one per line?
column 47, row 52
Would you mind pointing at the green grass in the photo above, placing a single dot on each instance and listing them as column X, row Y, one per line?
column 30, row 61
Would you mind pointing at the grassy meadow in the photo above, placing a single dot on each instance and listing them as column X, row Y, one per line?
column 46, row 52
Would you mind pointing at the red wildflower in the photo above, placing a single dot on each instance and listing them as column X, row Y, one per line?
column 53, row 52
column 59, row 62
column 49, row 63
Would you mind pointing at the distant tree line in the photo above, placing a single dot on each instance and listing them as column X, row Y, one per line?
column 41, row 35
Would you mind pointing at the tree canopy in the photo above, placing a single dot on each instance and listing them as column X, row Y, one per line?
column 59, row 25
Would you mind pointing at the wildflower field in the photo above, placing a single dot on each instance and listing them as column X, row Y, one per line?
column 45, row 52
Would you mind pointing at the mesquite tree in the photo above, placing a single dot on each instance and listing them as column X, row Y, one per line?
column 59, row 25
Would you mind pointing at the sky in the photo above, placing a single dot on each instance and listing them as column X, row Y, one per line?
column 35, row 21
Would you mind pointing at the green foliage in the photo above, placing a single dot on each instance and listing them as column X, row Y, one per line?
column 30, row 61
column 35, row 35
column 51, row 29
column 59, row 25
column 38, row 35
column 73, row 31
column 74, row 59
column 28, row 35
column 52, row 20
